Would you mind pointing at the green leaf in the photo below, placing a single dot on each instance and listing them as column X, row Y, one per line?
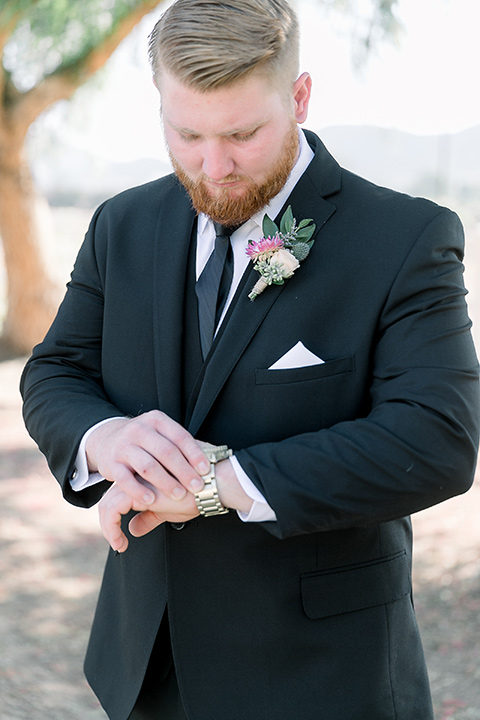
column 269, row 228
column 305, row 233
column 286, row 223
column 304, row 223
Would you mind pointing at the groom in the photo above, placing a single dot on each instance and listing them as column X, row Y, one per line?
column 256, row 462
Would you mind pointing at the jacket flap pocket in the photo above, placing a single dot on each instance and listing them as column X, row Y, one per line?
column 357, row 587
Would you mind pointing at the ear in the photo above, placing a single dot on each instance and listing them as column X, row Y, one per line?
column 302, row 89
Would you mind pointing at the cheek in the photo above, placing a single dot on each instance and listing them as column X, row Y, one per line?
column 260, row 160
column 187, row 157
column 182, row 153
column 254, row 156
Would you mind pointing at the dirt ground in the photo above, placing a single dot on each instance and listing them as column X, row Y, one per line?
column 51, row 560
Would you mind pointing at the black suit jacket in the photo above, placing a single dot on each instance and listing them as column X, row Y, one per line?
column 309, row 616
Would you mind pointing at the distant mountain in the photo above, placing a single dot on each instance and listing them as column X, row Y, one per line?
column 423, row 165
column 432, row 166
column 72, row 177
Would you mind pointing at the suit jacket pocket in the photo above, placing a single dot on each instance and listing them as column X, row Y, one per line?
column 355, row 587
column 312, row 372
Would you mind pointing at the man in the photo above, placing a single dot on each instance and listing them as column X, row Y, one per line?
column 347, row 393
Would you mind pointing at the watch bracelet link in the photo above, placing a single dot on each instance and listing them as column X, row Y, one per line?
column 208, row 501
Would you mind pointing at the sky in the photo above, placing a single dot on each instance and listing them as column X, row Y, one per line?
column 428, row 84
column 425, row 84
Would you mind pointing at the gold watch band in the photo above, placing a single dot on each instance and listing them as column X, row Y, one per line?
column 207, row 499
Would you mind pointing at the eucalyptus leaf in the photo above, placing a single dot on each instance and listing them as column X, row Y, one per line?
column 269, row 228
column 305, row 233
column 286, row 223
column 303, row 223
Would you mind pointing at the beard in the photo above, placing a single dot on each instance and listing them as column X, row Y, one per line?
column 228, row 210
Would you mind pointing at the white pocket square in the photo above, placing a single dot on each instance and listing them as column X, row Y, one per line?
column 297, row 357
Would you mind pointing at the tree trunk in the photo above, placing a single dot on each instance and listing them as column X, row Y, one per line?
column 32, row 296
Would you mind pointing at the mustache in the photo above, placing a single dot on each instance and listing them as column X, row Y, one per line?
column 204, row 179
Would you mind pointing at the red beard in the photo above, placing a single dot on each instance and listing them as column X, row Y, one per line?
column 229, row 210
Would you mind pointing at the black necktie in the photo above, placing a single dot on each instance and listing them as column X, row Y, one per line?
column 213, row 285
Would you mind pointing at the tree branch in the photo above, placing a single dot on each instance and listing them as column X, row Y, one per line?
column 62, row 83
column 96, row 58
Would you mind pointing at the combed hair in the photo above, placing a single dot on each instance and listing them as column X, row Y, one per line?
column 208, row 44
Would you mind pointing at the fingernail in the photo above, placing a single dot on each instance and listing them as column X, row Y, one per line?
column 148, row 498
column 203, row 468
column 179, row 493
column 196, row 485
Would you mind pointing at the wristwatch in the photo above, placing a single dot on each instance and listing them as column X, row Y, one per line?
column 207, row 499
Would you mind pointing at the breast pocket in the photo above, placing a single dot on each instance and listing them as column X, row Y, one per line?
column 303, row 374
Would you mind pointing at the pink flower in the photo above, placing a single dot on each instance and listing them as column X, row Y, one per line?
column 265, row 246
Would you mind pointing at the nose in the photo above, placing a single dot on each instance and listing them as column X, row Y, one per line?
column 217, row 161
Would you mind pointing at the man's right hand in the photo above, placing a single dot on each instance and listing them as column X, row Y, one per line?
column 152, row 447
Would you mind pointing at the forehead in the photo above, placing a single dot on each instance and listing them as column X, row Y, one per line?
column 222, row 110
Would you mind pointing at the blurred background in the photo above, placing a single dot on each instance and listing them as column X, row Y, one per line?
column 395, row 99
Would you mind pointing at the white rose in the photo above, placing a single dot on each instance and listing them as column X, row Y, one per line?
column 287, row 262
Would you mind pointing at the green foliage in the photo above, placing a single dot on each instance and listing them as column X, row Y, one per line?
column 54, row 33
column 269, row 228
column 370, row 22
column 383, row 23
column 286, row 223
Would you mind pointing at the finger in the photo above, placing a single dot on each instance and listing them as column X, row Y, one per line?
column 111, row 508
column 128, row 481
column 153, row 462
column 144, row 522
column 181, row 438
column 153, row 447
column 165, row 456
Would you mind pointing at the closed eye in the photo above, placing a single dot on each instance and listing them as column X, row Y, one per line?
column 244, row 137
column 188, row 137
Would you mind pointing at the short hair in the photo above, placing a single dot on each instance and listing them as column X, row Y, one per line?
column 207, row 44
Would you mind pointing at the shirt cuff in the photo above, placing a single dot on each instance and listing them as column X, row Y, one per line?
column 260, row 510
column 81, row 477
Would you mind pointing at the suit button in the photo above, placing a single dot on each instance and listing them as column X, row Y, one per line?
column 177, row 526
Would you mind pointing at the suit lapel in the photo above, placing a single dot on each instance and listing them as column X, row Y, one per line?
column 172, row 240
column 244, row 318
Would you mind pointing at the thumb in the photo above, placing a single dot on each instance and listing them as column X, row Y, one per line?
column 144, row 523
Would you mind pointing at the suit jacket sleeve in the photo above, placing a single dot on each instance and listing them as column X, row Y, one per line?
column 97, row 361
column 62, row 384
column 417, row 445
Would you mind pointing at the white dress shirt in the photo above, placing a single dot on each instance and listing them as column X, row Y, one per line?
column 251, row 230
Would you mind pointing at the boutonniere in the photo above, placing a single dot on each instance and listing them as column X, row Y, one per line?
column 280, row 251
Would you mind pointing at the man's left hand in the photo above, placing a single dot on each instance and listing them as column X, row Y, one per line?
column 116, row 503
